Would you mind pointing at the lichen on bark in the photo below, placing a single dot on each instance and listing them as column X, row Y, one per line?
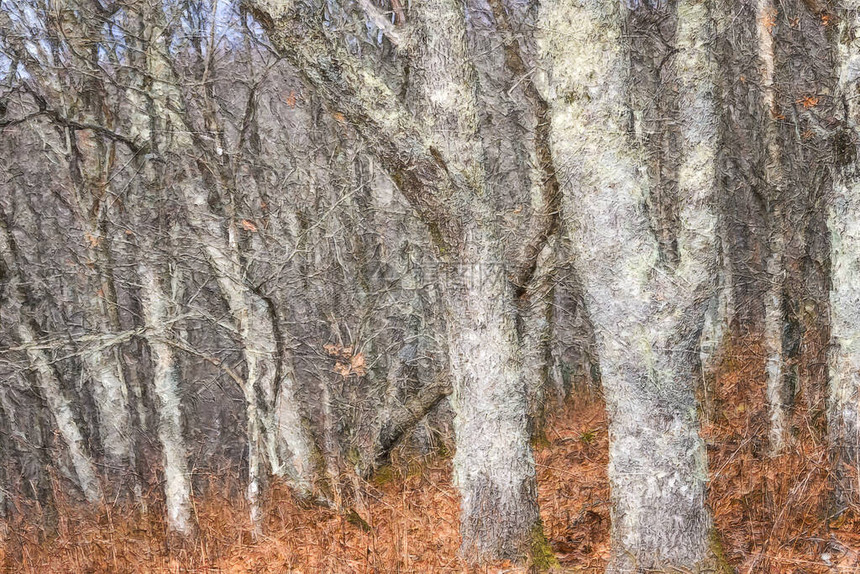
column 648, row 309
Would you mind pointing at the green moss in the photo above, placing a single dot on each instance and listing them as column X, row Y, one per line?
column 540, row 440
column 541, row 557
column 721, row 565
column 355, row 519
column 444, row 451
column 384, row 475
column 588, row 436
column 353, row 456
column 414, row 468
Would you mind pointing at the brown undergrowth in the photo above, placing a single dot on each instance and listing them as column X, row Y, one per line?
column 405, row 520
column 774, row 515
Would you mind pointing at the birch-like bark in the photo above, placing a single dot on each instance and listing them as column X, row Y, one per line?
column 260, row 351
column 493, row 466
column 279, row 426
column 274, row 424
column 535, row 332
column 775, row 267
column 60, row 406
column 90, row 167
column 111, row 398
column 166, row 381
column 46, row 376
column 646, row 315
column 843, row 223
column 106, row 369
column 716, row 336
column 90, row 162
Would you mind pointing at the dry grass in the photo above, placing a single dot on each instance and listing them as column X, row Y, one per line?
column 772, row 513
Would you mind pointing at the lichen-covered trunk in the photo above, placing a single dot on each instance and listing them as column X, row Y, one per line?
column 61, row 408
column 844, row 359
column 843, row 222
column 772, row 340
column 493, row 468
column 716, row 336
column 432, row 150
column 111, row 398
column 647, row 308
column 105, row 367
column 166, row 380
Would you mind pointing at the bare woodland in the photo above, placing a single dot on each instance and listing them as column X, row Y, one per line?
column 273, row 252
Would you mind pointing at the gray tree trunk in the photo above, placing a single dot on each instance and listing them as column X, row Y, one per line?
column 493, row 466
column 844, row 225
column 431, row 151
column 277, row 426
column 105, row 366
column 535, row 332
column 647, row 311
column 766, row 15
column 46, row 376
column 166, row 380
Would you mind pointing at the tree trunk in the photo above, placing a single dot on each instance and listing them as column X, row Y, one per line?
column 716, row 335
column 844, row 225
column 46, row 375
column 432, row 152
column 493, row 467
column 109, row 387
column 60, row 406
column 535, row 335
column 647, row 310
column 775, row 268
column 287, row 444
column 166, row 380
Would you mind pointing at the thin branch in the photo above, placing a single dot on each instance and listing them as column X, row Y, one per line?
column 362, row 99
column 62, row 121
column 545, row 218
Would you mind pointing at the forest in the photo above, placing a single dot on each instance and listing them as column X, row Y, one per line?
column 378, row 286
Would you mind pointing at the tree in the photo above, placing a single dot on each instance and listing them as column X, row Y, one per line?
column 647, row 300
column 90, row 161
column 842, row 222
column 46, row 375
column 433, row 154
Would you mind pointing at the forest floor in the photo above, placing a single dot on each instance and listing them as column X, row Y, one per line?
column 771, row 513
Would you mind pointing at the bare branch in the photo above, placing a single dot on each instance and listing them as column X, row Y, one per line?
column 363, row 100
column 545, row 217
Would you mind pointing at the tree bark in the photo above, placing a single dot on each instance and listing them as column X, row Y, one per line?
column 105, row 366
column 843, row 223
column 535, row 335
column 774, row 316
column 431, row 150
column 493, row 466
column 647, row 311
column 166, row 381
column 46, row 375
column 279, row 421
